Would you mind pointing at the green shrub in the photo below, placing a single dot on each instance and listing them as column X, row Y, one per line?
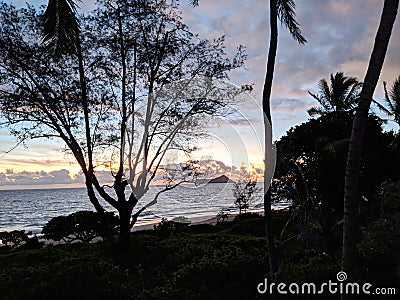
column 379, row 250
column 18, row 239
column 14, row 239
column 247, row 215
column 166, row 228
column 390, row 199
column 62, row 273
column 81, row 225
column 250, row 226
column 201, row 228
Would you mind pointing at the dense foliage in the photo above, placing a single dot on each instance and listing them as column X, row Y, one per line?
column 310, row 169
column 82, row 225
column 191, row 263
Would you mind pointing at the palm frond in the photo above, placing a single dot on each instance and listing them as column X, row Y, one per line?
column 395, row 91
column 319, row 98
column 395, row 95
column 382, row 108
column 326, row 95
column 353, row 95
column 316, row 111
column 314, row 96
column 60, row 26
column 388, row 99
column 287, row 16
column 194, row 2
column 343, row 89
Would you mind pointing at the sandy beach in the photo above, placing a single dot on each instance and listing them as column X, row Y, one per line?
column 208, row 219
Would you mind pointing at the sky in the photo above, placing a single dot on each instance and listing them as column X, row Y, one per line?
column 340, row 36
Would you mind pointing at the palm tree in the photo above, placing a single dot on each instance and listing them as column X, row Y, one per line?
column 285, row 11
column 60, row 27
column 341, row 95
column 377, row 58
column 392, row 99
column 61, row 36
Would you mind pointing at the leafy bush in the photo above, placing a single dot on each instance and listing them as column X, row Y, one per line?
column 390, row 199
column 201, row 228
column 245, row 191
column 176, row 225
column 247, row 216
column 203, row 266
column 62, row 273
column 249, row 226
column 308, row 265
column 18, row 239
column 81, row 225
column 379, row 250
column 222, row 216
column 13, row 239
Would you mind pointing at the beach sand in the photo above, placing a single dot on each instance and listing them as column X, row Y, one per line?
column 209, row 219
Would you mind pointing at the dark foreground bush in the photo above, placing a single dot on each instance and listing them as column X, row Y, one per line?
column 13, row 239
column 188, row 266
column 18, row 239
column 81, row 225
column 67, row 272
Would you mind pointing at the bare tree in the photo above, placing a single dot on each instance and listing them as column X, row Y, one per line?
column 100, row 86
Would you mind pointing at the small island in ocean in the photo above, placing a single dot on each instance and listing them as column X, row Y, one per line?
column 219, row 179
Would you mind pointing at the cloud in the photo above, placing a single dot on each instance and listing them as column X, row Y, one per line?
column 64, row 178
column 14, row 178
column 340, row 37
column 289, row 105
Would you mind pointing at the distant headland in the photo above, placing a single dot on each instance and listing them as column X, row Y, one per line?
column 219, row 179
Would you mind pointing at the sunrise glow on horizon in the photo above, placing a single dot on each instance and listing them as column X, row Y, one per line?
column 342, row 43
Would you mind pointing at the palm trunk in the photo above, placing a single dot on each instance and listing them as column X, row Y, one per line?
column 273, row 45
column 357, row 136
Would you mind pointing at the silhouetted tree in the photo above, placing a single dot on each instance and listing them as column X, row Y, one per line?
column 311, row 162
column 341, row 95
column 392, row 98
column 351, row 190
column 99, row 83
column 245, row 189
column 285, row 11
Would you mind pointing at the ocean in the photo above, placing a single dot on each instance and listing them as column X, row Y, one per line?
column 30, row 209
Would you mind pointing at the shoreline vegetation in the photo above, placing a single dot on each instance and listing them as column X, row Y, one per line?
column 206, row 260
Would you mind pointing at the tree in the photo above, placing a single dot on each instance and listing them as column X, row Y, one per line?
column 392, row 98
column 311, row 161
column 351, row 190
column 341, row 95
column 245, row 189
column 121, row 89
column 285, row 11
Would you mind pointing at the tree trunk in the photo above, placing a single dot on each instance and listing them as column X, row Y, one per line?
column 357, row 135
column 266, row 101
column 124, row 229
column 92, row 197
